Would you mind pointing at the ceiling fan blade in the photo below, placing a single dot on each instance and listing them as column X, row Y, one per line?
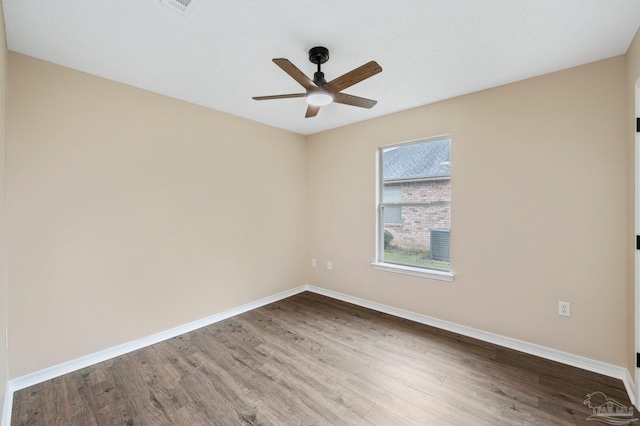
column 343, row 98
column 352, row 77
column 293, row 95
column 312, row 111
column 295, row 73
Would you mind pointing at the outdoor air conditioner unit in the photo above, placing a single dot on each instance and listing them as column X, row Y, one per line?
column 440, row 243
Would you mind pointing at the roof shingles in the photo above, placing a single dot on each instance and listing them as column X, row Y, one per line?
column 419, row 160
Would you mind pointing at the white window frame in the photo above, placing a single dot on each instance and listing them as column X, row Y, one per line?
column 380, row 264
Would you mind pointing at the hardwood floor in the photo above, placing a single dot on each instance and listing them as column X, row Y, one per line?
column 312, row 360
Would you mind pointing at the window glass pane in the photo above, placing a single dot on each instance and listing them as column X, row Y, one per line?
column 422, row 240
column 417, row 224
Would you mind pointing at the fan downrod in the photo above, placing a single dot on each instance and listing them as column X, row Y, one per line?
column 319, row 55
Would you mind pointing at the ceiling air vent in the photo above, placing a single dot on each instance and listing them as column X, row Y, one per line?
column 181, row 6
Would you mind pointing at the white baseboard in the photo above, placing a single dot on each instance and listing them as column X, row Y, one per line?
column 6, row 409
column 85, row 361
column 530, row 348
column 630, row 386
column 599, row 367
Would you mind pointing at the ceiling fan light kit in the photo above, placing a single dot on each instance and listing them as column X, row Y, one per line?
column 320, row 93
column 319, row 98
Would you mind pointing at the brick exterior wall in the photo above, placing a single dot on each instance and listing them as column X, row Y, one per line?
column 414, row 232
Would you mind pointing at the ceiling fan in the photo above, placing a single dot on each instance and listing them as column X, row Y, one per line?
column 318, row 91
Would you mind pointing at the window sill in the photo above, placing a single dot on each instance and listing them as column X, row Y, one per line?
column 417, row 272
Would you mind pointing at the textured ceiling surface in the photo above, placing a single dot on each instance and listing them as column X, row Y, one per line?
column 219, row 56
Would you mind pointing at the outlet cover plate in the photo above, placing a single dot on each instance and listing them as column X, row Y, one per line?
column 564, row 309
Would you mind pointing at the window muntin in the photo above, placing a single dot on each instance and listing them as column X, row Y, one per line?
column 415, row 207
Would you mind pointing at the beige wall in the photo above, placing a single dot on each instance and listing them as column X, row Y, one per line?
column 539, row 200
column 132, row 213
column 4, row 290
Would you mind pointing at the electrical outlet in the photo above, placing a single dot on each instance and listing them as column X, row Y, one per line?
column 329, row 265
column 313, row 263
column 564, row 309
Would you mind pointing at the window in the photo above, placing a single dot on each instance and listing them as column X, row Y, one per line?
column 392, row 194
column 414, row 212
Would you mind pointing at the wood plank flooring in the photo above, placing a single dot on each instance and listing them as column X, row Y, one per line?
column 312, row 360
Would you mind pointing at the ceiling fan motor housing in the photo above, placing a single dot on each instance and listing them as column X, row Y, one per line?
column 319, row 55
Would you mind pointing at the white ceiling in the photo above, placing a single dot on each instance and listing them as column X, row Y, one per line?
column 220, row 55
